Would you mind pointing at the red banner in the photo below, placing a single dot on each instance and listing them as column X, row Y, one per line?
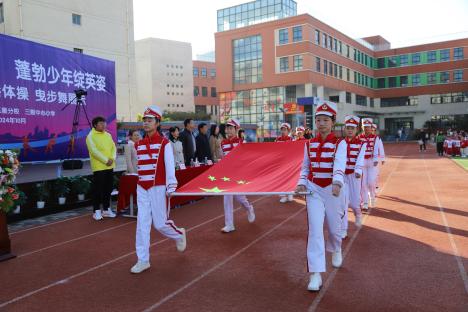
column 251, row 168
column 293, row 108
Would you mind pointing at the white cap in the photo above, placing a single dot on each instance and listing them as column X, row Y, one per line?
column 153, row 111
column 285, row 125
column 233, row 122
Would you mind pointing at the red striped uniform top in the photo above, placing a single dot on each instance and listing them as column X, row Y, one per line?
column 151, row 161
column 370, row 140
column 283, row 138
column 227, row 145
column 325, row 164
column 353, row 154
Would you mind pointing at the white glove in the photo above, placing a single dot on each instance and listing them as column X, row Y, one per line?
column 170, row 190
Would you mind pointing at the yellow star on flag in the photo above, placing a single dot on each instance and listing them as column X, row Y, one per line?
column 213, row 190
column 211, row 178
column 226, row 179
column 241, row 182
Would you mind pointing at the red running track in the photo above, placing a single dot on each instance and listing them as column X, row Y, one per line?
column 410, row 255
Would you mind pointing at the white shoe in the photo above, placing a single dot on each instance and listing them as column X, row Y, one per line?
column 344, row 234
column 140, row 267
column 181, row 244
column 315, row 282
column 365, row 207
column 97, row 215
column 358, row 221
column 290, row 198
column 228, row 229
column 108, row 213
column 251, row 215
column 337, row 259
column 283, row 199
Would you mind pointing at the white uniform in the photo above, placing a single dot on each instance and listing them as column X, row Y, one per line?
column 369, row 176
column 322, row 205
column 352, row 198
column 152, row 207
column 381, row 158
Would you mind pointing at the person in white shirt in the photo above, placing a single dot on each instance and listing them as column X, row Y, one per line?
column 130, row 152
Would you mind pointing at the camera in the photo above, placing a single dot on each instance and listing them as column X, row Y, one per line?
column 80, row 92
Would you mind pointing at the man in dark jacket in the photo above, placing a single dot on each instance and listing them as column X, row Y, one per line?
column 203, row 143
column 188, row 141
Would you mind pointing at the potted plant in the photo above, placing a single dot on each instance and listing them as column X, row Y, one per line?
column 42, row 193
column 9, row 167
column 21, row 200
column 61, row 189
column 80, row 186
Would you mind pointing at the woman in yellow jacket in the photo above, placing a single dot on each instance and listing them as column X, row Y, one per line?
column 102, row 154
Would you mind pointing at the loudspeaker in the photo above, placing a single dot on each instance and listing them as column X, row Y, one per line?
column 72, row 164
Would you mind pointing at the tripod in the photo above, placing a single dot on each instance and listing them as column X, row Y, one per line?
column 75, row 164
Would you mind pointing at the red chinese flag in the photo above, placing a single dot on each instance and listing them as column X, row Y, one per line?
column 251, row 168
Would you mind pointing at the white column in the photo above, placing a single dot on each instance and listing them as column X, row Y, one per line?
column 308, row 90
column 321, row 92
column 342, row 96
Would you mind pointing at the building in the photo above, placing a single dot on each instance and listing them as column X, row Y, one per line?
column 99, row 28
column 164, row 74
column 265, row 69
column 204, row 88
column 207, row 57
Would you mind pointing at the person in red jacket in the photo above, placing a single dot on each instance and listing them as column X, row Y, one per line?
column 227, row 145
column 156, row 179
column 285, row 137
column 322, row 175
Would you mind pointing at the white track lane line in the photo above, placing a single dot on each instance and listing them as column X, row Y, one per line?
column 44, row 225
column 71, row 277
column 73, row 240
column 456, row 254
column 332, row 276
column 220, row 264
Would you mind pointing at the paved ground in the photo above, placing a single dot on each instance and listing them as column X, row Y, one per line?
column 410, row 255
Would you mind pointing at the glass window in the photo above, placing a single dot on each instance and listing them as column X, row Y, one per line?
column 77, row 50
column 325, row 67
column 341, row 72
column 371, row 102
column 347, row 51
column 2, row 17
column 458, row 54
column 196, row 91
column 348, row 97
column 403, row 81
column 431, row 78
column 404, row 60
column 76, row 18
column 348, row 75
column 298, row 60
column 416, row 80
column 392, row 82
column 431, row 56
column 247, row 65
column 444, row 77
column 340, row 47
column 458, row 75
column 396, row 101
column 330, row 68
column 283, row 36
column 297, row 33
column 317, row 64
column 204, row 91
column 444, row 55
column 380, row 83
column 212, row 73
column 284, row 64
column 195, row 72
column 416, row 58
column 335, row 46
column 392, row 61
column 361, row 100
column 381, row 62
column 203, row 72
column 317, row 37
column 213, row 92
column 324, row 40
column 335, row 70
column 329, row 42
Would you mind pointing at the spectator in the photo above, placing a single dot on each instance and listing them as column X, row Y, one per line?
column 130, row 152
column 422, row 140
column 241, row 134
column 440, row 139
column 308, row 134
column 203, row 143
column 215, row 143
column 177, row 147
column 222, row 131
column 102, row 154
column 188, row 141
column 399, row 134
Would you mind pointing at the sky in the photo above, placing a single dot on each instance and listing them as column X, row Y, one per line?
column 402, row 22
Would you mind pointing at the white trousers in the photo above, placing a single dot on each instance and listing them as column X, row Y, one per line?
column 229, row 207
column 152, row 209
column 352, row 198
column 322, row 205
column 369, row 177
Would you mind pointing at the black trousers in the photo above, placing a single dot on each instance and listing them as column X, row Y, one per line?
column 440, row 148
column 102, row 188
